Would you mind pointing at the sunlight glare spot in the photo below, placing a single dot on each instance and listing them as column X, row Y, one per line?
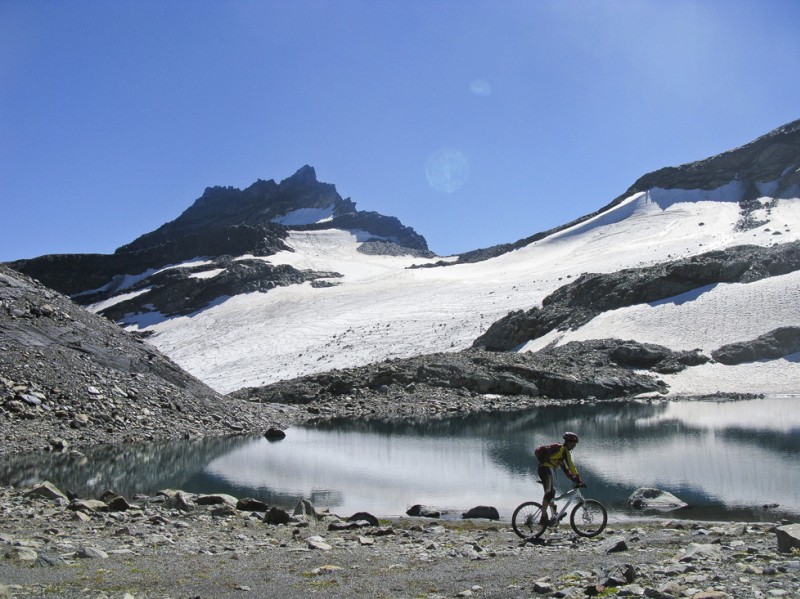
column 447, row 170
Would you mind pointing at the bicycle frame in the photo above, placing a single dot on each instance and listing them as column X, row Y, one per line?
column 575, row 496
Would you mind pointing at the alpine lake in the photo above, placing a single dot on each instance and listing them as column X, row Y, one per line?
column 728, row 460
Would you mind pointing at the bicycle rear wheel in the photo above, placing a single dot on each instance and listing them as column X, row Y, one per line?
column 589, row 518
column 525, row 520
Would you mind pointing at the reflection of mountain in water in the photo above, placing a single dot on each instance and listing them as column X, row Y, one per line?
column 207, row 482
column 512, row 436
column 739, row 455
column 140, row 468
column 709, row 453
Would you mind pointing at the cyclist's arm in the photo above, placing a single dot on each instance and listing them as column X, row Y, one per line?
column 569, row 469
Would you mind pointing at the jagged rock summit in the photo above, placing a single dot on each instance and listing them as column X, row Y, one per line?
column 298, row 202
column 226, row 229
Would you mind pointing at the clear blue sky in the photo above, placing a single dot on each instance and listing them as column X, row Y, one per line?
column 116, row 115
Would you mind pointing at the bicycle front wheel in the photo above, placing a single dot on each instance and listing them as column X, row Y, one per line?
column 525, row 520
column 589, row 518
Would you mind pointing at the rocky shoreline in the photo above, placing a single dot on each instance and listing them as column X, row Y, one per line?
column 178, row 545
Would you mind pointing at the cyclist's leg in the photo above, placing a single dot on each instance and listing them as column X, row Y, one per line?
column 546, row 476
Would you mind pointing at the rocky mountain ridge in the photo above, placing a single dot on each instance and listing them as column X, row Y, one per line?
column 223, row 223
column 769, row 165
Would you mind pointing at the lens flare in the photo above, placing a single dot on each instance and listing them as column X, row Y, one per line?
column 447, row 170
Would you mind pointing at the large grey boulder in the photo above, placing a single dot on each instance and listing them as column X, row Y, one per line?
column 648, row 498
column 46, row 490
column 788, row 537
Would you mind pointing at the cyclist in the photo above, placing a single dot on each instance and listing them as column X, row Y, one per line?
column 551, row 457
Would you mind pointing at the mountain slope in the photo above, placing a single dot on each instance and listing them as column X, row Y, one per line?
column 379, row 309
column 86, row 381
column 340, row 307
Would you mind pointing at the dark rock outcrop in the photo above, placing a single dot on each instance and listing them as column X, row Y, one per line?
column 575, row 304
column 573, row 371
column 775, row 344
column 177, row 291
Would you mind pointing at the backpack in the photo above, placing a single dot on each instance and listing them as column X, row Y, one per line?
column 545, row 451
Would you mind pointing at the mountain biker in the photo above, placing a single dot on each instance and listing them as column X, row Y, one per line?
column 551, row 457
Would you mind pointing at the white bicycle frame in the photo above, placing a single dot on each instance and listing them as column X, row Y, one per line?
column 574, row 495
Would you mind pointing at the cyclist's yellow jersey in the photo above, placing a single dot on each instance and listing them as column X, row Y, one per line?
column 562, row 458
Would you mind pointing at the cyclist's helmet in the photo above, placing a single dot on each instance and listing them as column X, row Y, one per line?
column 570, row 437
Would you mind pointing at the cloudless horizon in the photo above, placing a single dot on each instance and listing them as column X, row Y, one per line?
column 474, row 122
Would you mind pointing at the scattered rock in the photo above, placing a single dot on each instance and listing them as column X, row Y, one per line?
column 317, row 542
column 91, row 553
column 616, row 545
column 697, row 551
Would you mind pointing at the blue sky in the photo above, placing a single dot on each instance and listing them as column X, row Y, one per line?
column 475, row 122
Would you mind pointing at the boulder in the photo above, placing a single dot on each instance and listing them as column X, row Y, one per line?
column 248, row 504
column 307, row 509
column 274, row 434
column 616, row 545
column 276, row 516
column 365, row 516
column 423, row 511
column 91, row 553
column 647, row 498
column 179, row 501
column 46, row 490
column 217, row 499
column 117, row 504
column 317, row 542
column 788, row 537
column 482, row 511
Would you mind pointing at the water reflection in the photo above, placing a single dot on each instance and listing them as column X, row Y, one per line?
column 725, row 458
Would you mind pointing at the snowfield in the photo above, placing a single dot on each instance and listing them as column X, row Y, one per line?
column 380, row 309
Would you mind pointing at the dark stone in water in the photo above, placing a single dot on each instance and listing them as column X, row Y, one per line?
column 274, row 434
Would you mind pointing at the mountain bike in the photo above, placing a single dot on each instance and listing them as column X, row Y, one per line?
column 588, row 518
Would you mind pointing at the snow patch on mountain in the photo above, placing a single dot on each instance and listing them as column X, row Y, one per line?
column 305, row 216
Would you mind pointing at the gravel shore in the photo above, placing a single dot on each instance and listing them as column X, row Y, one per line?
column 177, row 545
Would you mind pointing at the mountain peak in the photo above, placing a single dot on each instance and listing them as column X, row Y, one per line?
column 304, row 175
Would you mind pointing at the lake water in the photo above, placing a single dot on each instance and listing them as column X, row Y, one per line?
column 726, row 459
